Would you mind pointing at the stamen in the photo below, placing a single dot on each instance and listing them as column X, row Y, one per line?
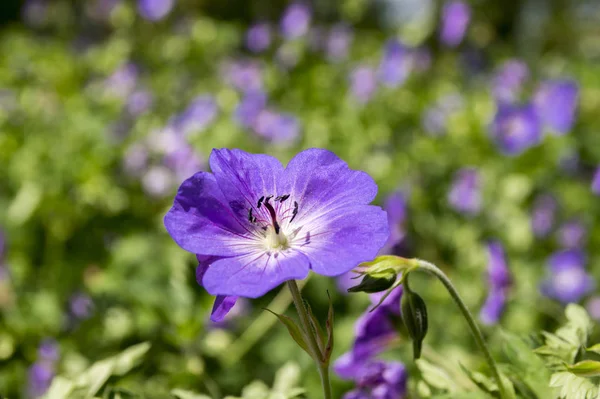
column 282, row 198
column 294, row 212
column 267, row 199
column 273, row 214
column 251, row 218
column 260, row 200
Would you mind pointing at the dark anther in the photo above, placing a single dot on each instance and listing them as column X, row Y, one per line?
column 260, row 200
column 294, row 212
column 267, row 199
column 273, row 215
column 251, row 218
column 282, row 198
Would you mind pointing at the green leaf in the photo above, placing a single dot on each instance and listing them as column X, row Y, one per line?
column 573, row 387
column 480, row 380
column 436, row 376
column 295, row 331
column 585, row 368
column 183, row 394
column 384, row 265
column 316, row 327
column 286, row 377
column 594, row 348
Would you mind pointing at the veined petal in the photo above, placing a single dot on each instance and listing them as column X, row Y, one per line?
column 319, row 180
column 223, row 304
column 201, row 222
column 244, row 178
column 338, row 241
column 254, row 274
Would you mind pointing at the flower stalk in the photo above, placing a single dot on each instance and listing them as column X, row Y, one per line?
column 312, row 339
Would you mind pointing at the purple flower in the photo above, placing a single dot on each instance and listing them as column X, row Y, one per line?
column 295, row 20
column 395, row 206
column 81, row 306
column 277, row 127
column 269, row 224
column 139, row 102
column 395, row 64
column 39, row 378
column 244, row 75
column 248, row 110
column 516, row 128
column 543, row 214
column 197, row 116
column 556, row 104
column 157, row 181
column 572, row 234
column 568, row 281
column 363, row 83
column 258, row 37
column 508, row 81
column 499, row 281
column 155, row 10
column 345, row 282
column 123, row 80
column 380, row 380
column 596, row 182
column 184, row 162
column 135, row 160
column 338, row 42
column 465, row 193
column 48, row 350
column 223, row 303
column 455, row 20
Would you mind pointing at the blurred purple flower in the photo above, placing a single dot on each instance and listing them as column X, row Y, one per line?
column 596, row 181
column 48, row 350
column 593, row 307
column 363, row 83
column 499, row 281
column 543, row 214
column 572, row 234
column 184, row 162
column 395, row 64
column 243, row 75
column 395, row 206
column 508, row 81
column 197, row 116
column 81, row 306
column 556, row 104
column 516, row 128
column 276, row 127
column 380, row 379
column 338, row 42
column 568, row 280
column 258, row 37
column 465, row 193
column 295, row 20
column 139, row 102
column 157, row 181
column 135, row 160
column 123, row 80
column 455, row 20
column 155, row 10
column 39, row 378
column 248, row 110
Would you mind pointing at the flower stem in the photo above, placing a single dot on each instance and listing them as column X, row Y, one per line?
column 433, row 269
column 312, row 338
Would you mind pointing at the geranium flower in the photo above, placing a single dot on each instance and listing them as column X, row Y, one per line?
column 267, row 224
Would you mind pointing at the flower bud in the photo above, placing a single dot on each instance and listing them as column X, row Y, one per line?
column 414, row 314
column 374, row 284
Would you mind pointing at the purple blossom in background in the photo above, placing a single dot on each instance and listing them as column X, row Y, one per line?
column 135, row 160
column 543, row 215
column 499, row 281
column 197, row 116
column 244, row 75
column 596, row 181
column 556, row 104
column 248, row 110
column 81, row 306
column 48, row 350
column 572, row 234
column 568, row 280
column 269, row 224
column 465, row 193
column 41, row 373
column 593, row 307
column 123, row 80
column 258, row 37
column 139, row 102
column 395, row 206
column 455, row 21
column 295, row 20
column 338, row 42
column 155, row 10
column 380, row 379
column 184, row 162
column 363, row 83
column 395, row 64
column 508, row 81
column 277, row 127
column 157, row 181
column 516, row 128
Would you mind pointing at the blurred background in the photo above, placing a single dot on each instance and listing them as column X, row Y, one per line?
column 478, row 120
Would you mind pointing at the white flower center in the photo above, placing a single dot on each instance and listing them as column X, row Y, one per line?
column 275, row 241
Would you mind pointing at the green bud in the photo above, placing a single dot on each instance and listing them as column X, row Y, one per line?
column 374, row 284
column 414, row 314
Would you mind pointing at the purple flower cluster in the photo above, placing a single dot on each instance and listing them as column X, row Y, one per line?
column 81, row 306
column 295, row 21
column 155, row 10
column 568, row 280
column 456, row 16
column 499, row 282
column 42, row 372
column 572, row 234
column 262, row 224
column 465, row 193
column 543, row 215
column 374, row 332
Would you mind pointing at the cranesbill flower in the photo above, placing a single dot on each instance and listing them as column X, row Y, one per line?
column 572, row 234
column 508, row 81
column 295, row 20
column 395, row 64
column 596, row 182
column 42, row 372
column 139, row 102
column 223, row 303
column 243, row 75
column 197, row 116
column 81, row 306
column 258, row 37
column 250, row 107
column 455, row 21
column 499, row 281
column 277, row 127
column 516, row 128
column 155, row 10
column 380, row 379
column 122, row 81
column 184, row 161
column 269, row 224
column 363, row 83
column 568, row 280
column 465, row 193
column 556, row 104
column 135, row 160
column 543, row 214
column 338, row 42
column 395, row 206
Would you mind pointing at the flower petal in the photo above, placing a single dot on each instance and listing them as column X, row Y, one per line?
column 223, row 304
column 336, row 242
column 253, row 275
column 201, row 222
column 318, row 179
column 244, row 178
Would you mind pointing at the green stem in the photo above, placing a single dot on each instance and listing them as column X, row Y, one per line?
column 313, row 346
column 433, row 269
